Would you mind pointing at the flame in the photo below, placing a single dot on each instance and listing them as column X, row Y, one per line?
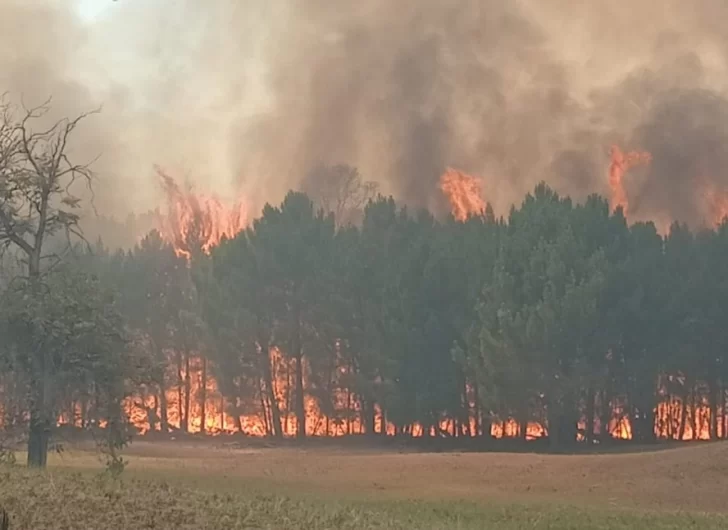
column 620, row 164
column 716, row 201
column 511, row 429
column 464, row 193
column 250, row 418
column 197, row 222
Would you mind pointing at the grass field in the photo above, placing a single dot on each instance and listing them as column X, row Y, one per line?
column 208, row 485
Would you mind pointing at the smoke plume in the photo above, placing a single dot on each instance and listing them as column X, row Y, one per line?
column 244, row 98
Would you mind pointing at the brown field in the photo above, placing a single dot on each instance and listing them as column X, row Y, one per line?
column 688, row 478
column 683, row 487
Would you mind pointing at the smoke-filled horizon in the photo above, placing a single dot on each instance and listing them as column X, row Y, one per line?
column 244, row 98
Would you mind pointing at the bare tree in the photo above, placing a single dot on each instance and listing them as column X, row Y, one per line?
column 37, row 201
column 339, row 189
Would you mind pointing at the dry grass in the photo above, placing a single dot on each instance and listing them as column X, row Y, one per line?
column 175, row 485
column 690, row 478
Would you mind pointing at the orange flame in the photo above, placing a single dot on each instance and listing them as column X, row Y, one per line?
column 511, row 429
column 620, row 164
column 464, row 193
column 717, row 203
column 674, row 420
column 196, row 222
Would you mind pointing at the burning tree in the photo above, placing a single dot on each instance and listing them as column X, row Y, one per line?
column 195, row 223
column 464, row 193
column 620, row 164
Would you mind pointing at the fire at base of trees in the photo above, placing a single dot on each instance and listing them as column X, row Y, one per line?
column 342, row 312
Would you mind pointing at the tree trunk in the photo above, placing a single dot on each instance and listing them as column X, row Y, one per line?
column 683, row 413
column 266, row 415
column 467, row 411
column 462, row 426
column 239, row 423
column 40, row 426
column 369, row 409
column 721, row 400
column 605, row 416
column 554, row 420
column 180, row 391
column 222, row 412
column 203, row 396
column 349, row 414
column 163, row 408
column 524, row 416
column 84, row 412
column 38, row 437
column 478, row 423
column 643, row 422
column 724, row 405
column 275, row 412
column 296, row 346
column 713, row 397
column 300, row 397
column 188, row 392
column 590, row 416
column 694, row 425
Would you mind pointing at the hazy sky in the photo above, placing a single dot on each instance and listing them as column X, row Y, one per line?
column 90, row 9
column 245, row 96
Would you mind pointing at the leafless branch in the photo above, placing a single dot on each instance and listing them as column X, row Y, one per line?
column 36, row 181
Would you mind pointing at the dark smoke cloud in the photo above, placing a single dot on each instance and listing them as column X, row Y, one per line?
column 247, row 97
column 404, row 93
column 687, row 133
column 515, row 92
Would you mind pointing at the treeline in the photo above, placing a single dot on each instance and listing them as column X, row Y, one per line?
column 560, row 320
column 343, row 313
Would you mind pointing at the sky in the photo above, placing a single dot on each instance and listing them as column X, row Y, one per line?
column 89, row 10
column 244, row 97
column 162, row 87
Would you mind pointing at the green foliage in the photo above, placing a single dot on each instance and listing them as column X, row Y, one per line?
column 66, row 337
column 561, row 314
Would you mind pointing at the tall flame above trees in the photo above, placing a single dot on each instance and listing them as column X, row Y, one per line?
column 195, row 222
column 620, row 164
column 464, row 193
column 716, row 203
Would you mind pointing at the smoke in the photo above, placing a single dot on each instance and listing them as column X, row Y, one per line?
column 245, row 98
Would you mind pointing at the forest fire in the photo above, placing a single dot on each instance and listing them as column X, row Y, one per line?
column 187, row 405
column 620, row 164
column 717, row 203
column 464, row 193
column 192, row 400
column 197, row 222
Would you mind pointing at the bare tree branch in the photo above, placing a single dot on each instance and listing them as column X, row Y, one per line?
column 36, row 181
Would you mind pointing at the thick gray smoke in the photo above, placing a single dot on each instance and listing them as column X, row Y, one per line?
column 245, row 97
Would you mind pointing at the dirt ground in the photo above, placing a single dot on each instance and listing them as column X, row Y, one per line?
column 688, row 478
